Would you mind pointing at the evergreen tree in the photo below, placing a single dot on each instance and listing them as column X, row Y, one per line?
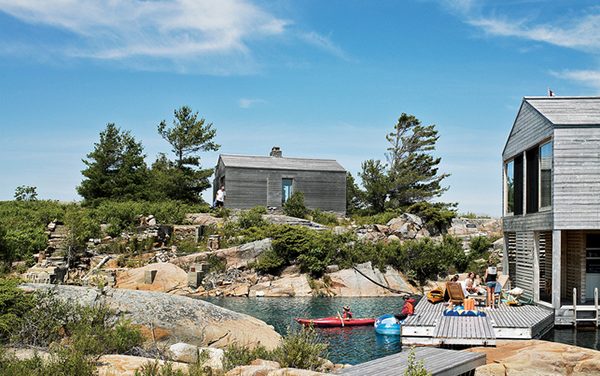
column 115, row 168
column 411, row 174
column 354, row 196
column 188, row 136
column 413, row 171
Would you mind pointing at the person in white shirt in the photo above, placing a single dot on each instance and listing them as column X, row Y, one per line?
column 220, row 197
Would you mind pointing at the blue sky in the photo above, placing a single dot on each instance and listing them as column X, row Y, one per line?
column 322, row 79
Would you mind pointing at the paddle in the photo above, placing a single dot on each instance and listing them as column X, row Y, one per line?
column 341, row 320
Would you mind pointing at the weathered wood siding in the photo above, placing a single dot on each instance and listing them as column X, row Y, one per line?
column 524, row 262
column 247, row 188
column 541, row 221
column 576, row 170
column 573, row 261
column 529, row 129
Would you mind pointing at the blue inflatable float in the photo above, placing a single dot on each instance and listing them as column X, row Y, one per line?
column 387, row 325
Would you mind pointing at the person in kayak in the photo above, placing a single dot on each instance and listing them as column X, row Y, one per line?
column 407, row 310
column 347, row 313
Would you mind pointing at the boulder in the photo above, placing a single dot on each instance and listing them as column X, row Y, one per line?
column 126, row 365
column 171, row 319
column 183, row 352
column 202, row 219
column 215, row 357
column 407, row 226
column 292, row 221
column 285, row 286
column 536, row 357
column 393, row 238
column 349, row 282
column 168, row 278
column 235, row 257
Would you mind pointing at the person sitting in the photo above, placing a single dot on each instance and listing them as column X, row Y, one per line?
column 347, row 313
column 407, row 310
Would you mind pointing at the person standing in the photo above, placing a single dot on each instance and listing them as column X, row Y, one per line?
column 220, row 197
column 491, row 276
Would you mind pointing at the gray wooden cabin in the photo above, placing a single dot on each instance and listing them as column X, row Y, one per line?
column 551, row 190
column 270, row 180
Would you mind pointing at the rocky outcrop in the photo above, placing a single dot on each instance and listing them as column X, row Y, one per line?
column 168, row 278
column 295, row 285
column 126, row 365
column 537, row 357
column 202, row 219
column 408, row 226
column 292, row 221
column 235, row 257
column 349, row 282
column 170, row 318
column 491, row 227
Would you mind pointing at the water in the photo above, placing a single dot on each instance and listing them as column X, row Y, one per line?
column 360, row 344
column 350, row 345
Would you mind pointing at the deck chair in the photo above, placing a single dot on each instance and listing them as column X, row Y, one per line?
column 455, row 292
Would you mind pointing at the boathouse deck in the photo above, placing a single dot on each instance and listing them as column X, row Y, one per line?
column 428, row 326
column 439, row 362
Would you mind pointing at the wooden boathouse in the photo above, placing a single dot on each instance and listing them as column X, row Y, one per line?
column 270, row 181
column 551, row 205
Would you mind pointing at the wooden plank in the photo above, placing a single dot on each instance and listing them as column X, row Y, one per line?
column 438, row 362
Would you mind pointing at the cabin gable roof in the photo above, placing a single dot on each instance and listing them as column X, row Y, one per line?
column 280, row 163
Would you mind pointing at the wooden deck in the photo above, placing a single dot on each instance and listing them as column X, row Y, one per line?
column 430, row 327
column 438, row 362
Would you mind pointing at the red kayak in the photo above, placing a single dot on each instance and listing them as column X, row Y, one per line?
column 328, row 322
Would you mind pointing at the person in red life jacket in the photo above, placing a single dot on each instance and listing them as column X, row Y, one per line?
column 347, row 313
column 407, row 310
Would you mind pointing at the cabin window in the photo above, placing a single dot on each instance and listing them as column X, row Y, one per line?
column 287, row 188
column 509, row 173
column 545, row 167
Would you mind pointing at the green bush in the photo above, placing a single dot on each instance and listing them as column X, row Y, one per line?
column 156, row 369
column 252, row 218
column 14, row 306
column 414, row 367
column 294, row 206
column 479, row 244
column 301, row 349
column 437, row 216
column 235, row 355
column 64, row 361
column 381, row 218
column 269, row 262
column 324, row 218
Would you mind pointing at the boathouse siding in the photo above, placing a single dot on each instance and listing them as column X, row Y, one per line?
column 257, row 181
column 545, row 247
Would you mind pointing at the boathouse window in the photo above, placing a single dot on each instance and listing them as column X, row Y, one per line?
column 532, row 172
column 286, row 189
column 518, row 185
column 509, row 173
column 546, row 175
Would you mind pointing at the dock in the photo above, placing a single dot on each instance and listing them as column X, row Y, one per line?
column 438, row 362
column 428, row 326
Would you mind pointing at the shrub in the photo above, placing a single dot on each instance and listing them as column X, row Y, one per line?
column 64, row 361
column 252, row 218
column 269, row 262
column 235, row 355
column 381, row 218
column 479, row 244
column 324, row 218
column 14, row 306
column 294, row 206
column 156, row 369
column 301, row 349
column 414, row 368
column 437, row 216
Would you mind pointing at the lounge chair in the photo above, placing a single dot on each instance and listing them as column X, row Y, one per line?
column 455, row 292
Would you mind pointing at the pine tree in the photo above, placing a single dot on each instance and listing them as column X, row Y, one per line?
column 376, row 184
column 115, row 168
column 188, row 136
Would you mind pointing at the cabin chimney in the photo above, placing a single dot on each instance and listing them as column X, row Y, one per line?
column 276, row 152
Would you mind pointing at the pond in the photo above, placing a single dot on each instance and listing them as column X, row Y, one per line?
column 359, row 344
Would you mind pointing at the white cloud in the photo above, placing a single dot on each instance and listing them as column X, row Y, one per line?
column 589, row 78
column 581, row 34
column 325, row 44
column 250, row 102
column 176, row 30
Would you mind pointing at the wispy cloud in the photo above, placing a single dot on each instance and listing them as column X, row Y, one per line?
column 208, row 36
column 590, row 78
column 250, row 102
column 581, row 34
column 324, row 43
